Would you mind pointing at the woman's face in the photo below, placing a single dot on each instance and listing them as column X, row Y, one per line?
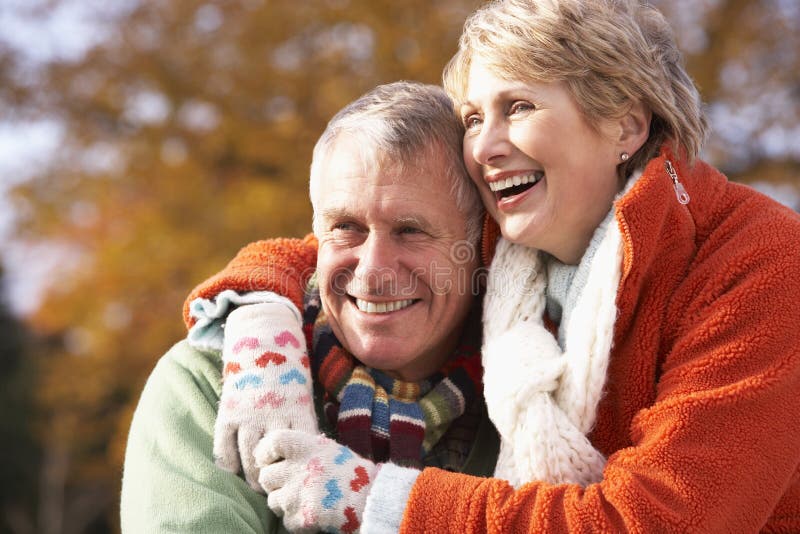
column 545, row 176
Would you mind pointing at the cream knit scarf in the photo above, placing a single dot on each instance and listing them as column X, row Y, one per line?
column 543, row 400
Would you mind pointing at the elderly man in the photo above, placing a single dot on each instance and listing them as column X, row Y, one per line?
column 387, row 321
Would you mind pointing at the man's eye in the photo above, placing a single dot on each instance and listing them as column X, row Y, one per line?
column 343, row 227
column 413, row 232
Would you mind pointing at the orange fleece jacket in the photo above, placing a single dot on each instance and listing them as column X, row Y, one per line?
column 700, row 417
column 281, row 265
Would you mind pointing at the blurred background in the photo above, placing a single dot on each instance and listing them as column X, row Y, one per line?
column 143, row 142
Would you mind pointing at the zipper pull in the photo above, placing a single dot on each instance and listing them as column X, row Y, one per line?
column 680, row 192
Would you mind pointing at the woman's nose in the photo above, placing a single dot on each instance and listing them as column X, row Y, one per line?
column 491, row 143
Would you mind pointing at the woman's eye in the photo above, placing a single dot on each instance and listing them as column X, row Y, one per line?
column 471, row 121
column 520, row 106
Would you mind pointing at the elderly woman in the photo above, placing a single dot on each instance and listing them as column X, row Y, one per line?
column 641, row 355
column 667, row 402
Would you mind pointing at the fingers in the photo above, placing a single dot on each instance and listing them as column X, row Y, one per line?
column 284, row 443
column 306, row 423
column 290, row 494
column 274, row 477
column 267, row 452
column 275, row 497
column 226, row 453
column 247, row 443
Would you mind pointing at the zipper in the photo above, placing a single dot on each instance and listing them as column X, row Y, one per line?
column 680, row 192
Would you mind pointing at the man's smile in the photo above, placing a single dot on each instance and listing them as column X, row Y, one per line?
column 367, row 306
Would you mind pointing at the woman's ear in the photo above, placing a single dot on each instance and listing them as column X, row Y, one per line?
column 634, row 128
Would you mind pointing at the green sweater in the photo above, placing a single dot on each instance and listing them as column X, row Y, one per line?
column 170, row 482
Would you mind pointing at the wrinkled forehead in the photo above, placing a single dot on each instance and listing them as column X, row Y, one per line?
column 380, row 182
column 358, row 154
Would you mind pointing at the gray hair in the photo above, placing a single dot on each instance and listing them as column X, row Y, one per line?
column 610, row 53
column 404, row 124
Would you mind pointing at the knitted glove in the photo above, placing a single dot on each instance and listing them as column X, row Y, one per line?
column 313, row 482
column 266, row 384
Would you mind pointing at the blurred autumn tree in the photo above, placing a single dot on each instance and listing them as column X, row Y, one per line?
column 187, row 132
column 745, row 57
column 19, row 459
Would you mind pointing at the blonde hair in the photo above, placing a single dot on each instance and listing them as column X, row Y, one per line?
column 404, row 125
column 610, row 54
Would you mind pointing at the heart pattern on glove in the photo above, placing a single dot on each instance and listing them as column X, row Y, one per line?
column 309, row 517
column 231, row 368
column 352, row 522
column 344, row 455
column 271, row 398
column 267, row 357
column 314, row 469
column 245, row 343
column 248, row 381
column 285, row 338
column 361, row 480
column 293, row 375
column 334, row 494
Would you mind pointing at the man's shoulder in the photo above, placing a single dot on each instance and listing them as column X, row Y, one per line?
column 170, row 482
column 187, row 372
column 183, row 355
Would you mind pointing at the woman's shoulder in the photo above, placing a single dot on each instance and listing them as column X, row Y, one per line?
column 745, row 247
column 747, row 221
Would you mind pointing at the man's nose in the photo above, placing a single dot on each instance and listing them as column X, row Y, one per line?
column 491, row 143
column 378, row 262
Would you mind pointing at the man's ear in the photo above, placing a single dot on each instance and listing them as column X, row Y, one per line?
column 634, row 128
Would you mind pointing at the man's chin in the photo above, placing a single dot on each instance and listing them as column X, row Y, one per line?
column 383, row 358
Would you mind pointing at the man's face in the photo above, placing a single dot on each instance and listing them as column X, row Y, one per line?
column 394, row 267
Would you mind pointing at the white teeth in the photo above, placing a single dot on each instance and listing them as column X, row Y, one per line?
column 519, row 179
column 382, row 307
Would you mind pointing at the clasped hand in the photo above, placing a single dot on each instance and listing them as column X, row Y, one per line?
column 313, row 482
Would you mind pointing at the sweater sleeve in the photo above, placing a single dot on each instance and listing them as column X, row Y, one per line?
column 717, row 451
column 282, row 266
column 170, row 482
column 383, row 512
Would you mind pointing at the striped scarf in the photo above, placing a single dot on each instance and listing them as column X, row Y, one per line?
column 385, row 419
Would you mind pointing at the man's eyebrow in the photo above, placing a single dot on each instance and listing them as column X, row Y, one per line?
column 417, row 221
column 335, row 214
column 340, row 213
